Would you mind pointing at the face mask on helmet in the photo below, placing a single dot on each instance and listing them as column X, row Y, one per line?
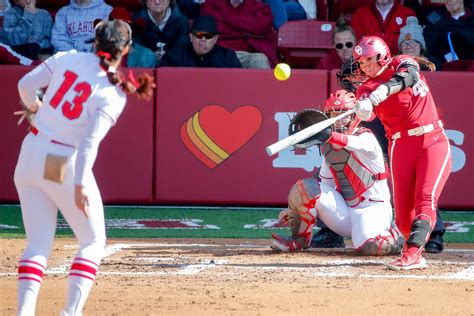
column 350, row 77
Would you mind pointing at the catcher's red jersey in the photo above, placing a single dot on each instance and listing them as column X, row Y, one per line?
column 407, row 109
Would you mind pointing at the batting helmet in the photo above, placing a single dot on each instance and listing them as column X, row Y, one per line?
column 370, row 46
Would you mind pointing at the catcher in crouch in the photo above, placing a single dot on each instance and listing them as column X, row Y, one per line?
column 353, row 196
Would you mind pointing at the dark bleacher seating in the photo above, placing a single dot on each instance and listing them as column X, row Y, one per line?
column 302, row 43
column 345, row 8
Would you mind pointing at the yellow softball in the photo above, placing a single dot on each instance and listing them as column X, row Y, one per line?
column 282, row 71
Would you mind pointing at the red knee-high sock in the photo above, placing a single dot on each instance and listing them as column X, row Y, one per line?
column 30, row 277
column 80, row 281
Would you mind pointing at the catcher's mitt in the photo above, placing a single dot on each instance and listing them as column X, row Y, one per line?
column 305, row 119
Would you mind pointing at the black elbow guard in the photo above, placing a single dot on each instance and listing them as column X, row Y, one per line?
column 403, row 79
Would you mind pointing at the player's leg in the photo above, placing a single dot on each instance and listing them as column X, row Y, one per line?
column 403, row 155
column 433, row 170
column 39, row 218
column 90, row 234
column 372, row 231
column 300, row 215
column 333, row 211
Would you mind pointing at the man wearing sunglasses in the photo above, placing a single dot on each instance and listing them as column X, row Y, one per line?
column 343, row 39
column 202, row 51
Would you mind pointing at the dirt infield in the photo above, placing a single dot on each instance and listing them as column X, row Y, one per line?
column 242, row 277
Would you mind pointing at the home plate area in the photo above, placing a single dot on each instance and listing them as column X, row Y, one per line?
column 228, row 257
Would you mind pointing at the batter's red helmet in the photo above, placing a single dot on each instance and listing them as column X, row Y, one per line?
column 340, row 101
column 372, row 46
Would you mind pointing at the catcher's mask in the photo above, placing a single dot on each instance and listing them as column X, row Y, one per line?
column 305, row 119
column 350, row 77
column 339, row 102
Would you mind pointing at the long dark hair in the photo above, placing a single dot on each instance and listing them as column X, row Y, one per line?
column 111, row 39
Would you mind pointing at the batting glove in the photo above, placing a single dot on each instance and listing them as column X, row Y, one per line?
column 364, row 109
column 379, row 95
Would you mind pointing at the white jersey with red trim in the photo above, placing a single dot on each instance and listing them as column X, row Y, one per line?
column 78, row 87
column 368, row 152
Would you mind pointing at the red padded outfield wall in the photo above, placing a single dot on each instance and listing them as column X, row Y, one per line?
column 236, row 114
column 212, row 129
column 202, row 140
column 125, row 163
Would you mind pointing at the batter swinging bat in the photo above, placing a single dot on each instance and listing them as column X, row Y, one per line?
column 305, row 133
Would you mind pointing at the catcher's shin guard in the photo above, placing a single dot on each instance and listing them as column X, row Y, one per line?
column 301, row 225
column 382, row 245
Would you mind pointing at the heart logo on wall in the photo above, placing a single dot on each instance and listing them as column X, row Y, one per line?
column 213, row 134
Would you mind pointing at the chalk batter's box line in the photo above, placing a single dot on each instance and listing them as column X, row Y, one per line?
column 466, row 274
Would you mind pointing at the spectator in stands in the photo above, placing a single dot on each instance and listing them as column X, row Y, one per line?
column 344, row 40
column 164, row 26
column 411, row 42
column 449, row 33
column 4, row 6
column 74, row 24
column 202, row 51
column 138, row 56
column 245, row 26
column 290, row 10
column 383, row 18
column 28, row 29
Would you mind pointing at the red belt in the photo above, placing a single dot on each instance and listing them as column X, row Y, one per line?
column 35, row 131
column 419, row 130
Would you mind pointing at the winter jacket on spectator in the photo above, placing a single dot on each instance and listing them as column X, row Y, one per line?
column 367, row 20
column 248, row 27
column 174, row 33
column 218, row 57
column 9, row 57
column 439, row 24
column 22, row 27
column 74, row 25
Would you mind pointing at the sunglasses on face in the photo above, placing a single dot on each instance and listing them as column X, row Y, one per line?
column 341, row 45
column 206, row 35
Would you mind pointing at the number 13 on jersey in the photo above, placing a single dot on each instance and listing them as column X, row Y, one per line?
column 83, row 89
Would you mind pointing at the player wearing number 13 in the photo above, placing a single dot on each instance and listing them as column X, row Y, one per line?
column 85, row 96
column 419, row 152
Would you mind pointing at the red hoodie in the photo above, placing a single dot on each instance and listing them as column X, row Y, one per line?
column 246, row 28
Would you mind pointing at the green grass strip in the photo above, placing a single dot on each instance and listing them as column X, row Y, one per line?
column 230, row 222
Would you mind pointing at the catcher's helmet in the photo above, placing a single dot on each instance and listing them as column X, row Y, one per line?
column 350, row 77
column 372, row 46
column 340, row 102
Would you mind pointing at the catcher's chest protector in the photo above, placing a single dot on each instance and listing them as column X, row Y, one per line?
column 351, row 176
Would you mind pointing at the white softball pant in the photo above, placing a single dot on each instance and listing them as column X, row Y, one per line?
column 366, row 220
column 40, row 200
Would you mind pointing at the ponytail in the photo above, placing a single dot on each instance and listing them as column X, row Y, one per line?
column 423, row 61
column 143, row 86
